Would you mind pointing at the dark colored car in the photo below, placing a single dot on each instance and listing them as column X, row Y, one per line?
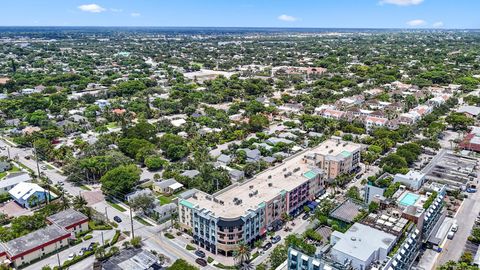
column 200, row 253
column 267, row 246
column 90, row 247
column 359, row 176
column 276, row 239
column 117, row 219
column 201, row 262
column 305, row 217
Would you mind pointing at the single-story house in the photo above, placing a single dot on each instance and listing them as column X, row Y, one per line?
column 130, row 196
column 163, row 212
column 225, row 159
column 5, row 166
column 252, row 155
column 190, row 173
column 12, row 180
column 168, row 186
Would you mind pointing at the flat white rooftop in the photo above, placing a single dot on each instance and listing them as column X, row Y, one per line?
column 267, row 185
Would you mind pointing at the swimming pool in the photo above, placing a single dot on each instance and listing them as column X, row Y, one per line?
column 409, row 199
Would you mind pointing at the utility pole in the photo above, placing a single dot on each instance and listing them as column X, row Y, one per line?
column 106, row 215
column 58, row 258
column 36, row 159
column 131, row 222
column 8, row 151
column 103, row 241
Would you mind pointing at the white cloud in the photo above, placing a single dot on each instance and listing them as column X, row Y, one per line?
column 93, row 8
column 416, row 22
column 402, row 2
column 116, row 10
column 135, row 14
column 438, row 24
column 287, row 18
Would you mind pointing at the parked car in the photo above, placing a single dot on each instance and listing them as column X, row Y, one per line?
column 90, row 247
column 200, row 253
column 80, row 253
column 71, row 256
column 267, row 246
column 359, row 176
column 450, row 235
column 117, row 219
column 305, row 217
column 44, row 167
column 276, row 239
column 454, row 227
column 201, row 262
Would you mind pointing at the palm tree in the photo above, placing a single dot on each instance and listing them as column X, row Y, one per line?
column 64, row 202
column 33, row 201
column 100, row 253
column 242, row 254
column 79, row 202
column 247, row 266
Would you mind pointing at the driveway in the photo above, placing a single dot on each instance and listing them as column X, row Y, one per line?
column 12, row 209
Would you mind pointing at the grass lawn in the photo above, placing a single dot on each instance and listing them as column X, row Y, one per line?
column 165, row 199
column 116, row 206
column 85, row 187
column 141, row 220
column 12, row 170
column 25, row 167
column 112, row 125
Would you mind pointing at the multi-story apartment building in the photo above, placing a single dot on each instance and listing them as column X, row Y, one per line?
column 335, row 157
column 245, row 211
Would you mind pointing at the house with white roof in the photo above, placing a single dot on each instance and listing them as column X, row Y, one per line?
column 12, row 180
column 28, row 194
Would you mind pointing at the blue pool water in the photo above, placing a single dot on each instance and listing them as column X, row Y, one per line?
column 409, row 199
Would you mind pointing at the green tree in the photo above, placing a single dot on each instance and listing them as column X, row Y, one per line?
column 258, row 122
column 154, row 163
column 181, row 264
column 242, row 254
column 278, row 255
column 120, row 181
column 144, row 202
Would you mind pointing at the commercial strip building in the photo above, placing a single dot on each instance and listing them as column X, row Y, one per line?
column 245, row 211
column 70, row 220
column 41, row 243
column 37, row 244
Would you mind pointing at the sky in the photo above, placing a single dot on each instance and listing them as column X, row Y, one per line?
column 448, row 14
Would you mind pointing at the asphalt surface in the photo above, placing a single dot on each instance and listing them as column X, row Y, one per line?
column 466, row 216
column 151, row 235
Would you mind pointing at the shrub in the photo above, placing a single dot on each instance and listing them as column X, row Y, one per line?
column 115, row 238
column 190, row 247
column 169, row 235
column 89, row 236
column 210, row 260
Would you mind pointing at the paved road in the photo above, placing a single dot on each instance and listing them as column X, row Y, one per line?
column 300, row 227
column 150, row 234
column 466, row 216
column 63, row 255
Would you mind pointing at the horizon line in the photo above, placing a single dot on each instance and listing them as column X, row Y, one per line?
column 238, row 27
